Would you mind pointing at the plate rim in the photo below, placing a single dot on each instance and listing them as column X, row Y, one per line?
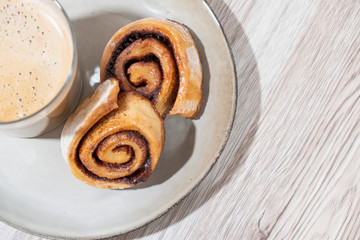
column 222, row 148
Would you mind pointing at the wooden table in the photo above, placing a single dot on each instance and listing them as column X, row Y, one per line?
column 291, row 167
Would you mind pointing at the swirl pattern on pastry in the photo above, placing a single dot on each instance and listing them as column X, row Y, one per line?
column 158, row 59
column 113, row 140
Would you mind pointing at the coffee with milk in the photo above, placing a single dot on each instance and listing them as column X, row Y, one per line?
column 35, row 57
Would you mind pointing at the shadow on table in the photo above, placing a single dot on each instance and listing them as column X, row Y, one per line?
column 241, row 137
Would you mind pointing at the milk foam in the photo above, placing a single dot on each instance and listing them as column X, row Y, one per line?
column 35, row 57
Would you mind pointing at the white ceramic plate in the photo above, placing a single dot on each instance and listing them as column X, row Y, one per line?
column 38, row 194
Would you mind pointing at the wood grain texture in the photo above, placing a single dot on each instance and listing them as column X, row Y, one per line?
column 291, row 167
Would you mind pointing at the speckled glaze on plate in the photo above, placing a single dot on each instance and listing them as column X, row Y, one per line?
column 38, row 193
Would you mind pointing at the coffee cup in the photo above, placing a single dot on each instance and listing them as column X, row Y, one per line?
column 40, row 82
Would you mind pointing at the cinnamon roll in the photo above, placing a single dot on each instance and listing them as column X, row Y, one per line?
column 113, row 140
column 158, row 59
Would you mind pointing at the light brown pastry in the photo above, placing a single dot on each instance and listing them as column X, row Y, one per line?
column 159, row 59
column 113, row 140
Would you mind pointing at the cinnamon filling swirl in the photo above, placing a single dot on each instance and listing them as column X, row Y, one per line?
column 158, row 59
column 116, row 146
